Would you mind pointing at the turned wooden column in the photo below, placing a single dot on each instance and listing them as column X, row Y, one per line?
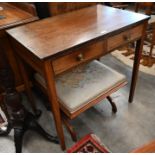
column 18, row 117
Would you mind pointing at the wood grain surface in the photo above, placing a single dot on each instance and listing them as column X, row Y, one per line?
column 54, row 35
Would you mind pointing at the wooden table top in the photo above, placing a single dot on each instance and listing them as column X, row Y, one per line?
column 52, row 36
column 13, row 16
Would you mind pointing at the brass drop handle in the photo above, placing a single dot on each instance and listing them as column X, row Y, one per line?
column 80, row 57
column 126, row 37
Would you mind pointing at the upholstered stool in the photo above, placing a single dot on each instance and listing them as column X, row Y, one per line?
column 84, row 86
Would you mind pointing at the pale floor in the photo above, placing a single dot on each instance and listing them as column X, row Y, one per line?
column 131, row 127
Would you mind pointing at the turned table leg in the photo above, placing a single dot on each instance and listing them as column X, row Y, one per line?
column 18, row 117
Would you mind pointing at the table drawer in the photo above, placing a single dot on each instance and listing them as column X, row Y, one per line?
column 125, row 37
column 79, row 56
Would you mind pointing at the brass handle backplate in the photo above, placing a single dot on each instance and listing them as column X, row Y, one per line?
column 80, row 57
column 126, row 37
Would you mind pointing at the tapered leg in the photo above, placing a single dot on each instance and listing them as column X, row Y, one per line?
column 51, row 89
column 137, row 58
column 28, row 87
column 138, row 54
column 152, row 45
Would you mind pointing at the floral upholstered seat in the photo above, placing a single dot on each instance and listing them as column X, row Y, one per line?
column 82, row 84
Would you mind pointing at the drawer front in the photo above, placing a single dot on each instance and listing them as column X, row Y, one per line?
column 125, row 37
column 79, row 56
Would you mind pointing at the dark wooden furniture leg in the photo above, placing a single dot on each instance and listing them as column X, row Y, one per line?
column 55, row 108
column 18, row 138
column 18, row 117
column 28, row 87
column 138, row 53
column 113, row 105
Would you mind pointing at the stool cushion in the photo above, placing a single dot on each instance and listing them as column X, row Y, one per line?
column 80, row 85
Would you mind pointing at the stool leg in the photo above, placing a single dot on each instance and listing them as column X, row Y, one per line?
column 69, row 128
column 114, row 108
column 18, row 138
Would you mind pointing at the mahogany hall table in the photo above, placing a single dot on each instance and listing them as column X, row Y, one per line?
column 54, row 45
